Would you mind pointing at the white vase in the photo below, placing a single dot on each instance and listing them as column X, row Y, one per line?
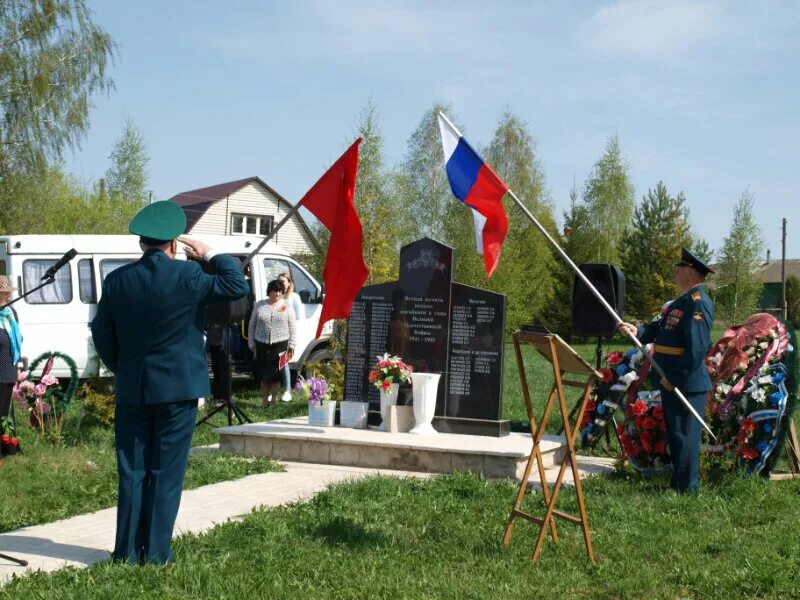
column 388, row 400
column 354, row 414
column 425, row 387
column 322, row 415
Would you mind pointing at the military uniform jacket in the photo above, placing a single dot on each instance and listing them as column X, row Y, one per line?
column 682, row 338
column 149, row 325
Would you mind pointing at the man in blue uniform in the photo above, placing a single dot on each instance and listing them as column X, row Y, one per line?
column 682, row 338
column 149, row 332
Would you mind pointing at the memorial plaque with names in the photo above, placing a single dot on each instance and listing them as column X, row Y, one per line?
column 438, row 327
column 475, row 378
column 367, row 338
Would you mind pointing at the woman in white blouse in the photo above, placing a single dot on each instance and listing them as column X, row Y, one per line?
column 294, row 302
column 270, row 333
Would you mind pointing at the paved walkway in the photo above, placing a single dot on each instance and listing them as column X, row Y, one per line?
column 83, row 540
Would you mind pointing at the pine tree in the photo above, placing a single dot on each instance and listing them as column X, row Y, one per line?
column 650, row 248
column 738, row 286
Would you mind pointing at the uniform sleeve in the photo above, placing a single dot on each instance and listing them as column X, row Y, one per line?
column 698, row 332
column 103, row 331
column 227, row 283
column 647, row 333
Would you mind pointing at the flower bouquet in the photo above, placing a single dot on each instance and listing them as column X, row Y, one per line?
column 751, row 398
column 643, row 434
column 317, row 392
column 389, row 370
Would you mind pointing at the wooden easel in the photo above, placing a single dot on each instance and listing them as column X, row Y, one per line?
column 563, row 360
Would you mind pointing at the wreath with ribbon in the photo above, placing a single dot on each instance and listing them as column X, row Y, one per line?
column 61, row 397
column 753, row 369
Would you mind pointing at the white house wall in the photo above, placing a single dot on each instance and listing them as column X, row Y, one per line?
column 254, row 199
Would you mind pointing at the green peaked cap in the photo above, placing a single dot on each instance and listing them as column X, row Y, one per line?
column 163, row 220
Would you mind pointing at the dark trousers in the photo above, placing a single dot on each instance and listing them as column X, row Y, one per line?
column 153, row 442
column 5, row 398
column 685, row 436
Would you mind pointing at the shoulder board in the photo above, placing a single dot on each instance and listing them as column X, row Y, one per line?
column 696, row 296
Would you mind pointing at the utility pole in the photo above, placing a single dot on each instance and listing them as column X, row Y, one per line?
column 783, row 271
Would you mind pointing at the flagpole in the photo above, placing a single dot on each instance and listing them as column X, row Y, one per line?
column 270, row 235
column 607, row 306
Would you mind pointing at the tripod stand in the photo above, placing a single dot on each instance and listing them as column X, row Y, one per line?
column 226, row 403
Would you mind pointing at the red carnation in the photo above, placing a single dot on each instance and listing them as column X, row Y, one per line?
column 607, row 375
column 614, row 358
column 639, row 422
column 749, row 453
column 748, row 425
column 638, row 408
column 386, row 384
column 623, row 438
column 646, row 438
column 591, row 406
column 5, row 439
column 658, row 412
column 660, row 447
column 14, row 442
column 649, row 423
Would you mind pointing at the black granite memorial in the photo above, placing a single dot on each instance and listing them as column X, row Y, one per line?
column 438, row 327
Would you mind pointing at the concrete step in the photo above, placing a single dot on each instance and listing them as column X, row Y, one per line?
column 295, row 440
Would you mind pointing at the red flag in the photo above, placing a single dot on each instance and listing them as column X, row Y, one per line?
column 331, row 201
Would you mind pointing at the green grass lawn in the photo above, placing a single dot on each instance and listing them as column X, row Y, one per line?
column 48, row 483
column 389, row 538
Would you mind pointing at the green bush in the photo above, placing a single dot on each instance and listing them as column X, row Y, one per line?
column 98, row 402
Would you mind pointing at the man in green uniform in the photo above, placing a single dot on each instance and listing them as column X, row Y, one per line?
column 682, row 338
column 149, row 332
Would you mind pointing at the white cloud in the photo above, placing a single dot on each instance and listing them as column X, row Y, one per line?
column 655, row 29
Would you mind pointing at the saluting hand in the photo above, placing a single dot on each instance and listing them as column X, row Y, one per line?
column 194, row 249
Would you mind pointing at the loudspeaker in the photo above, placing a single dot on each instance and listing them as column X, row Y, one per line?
column 589, row 318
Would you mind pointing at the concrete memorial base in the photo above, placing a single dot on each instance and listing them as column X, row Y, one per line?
column 295, row 440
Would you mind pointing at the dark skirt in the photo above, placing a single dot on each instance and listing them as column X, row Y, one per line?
column 267, row 359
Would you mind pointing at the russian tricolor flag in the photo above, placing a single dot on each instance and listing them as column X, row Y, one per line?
column 476, row 185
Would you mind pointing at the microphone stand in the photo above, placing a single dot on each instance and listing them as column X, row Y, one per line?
column 47, row 281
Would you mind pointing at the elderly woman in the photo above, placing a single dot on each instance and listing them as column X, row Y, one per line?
column 294, row 302
column 10, row 344
column 271, row 332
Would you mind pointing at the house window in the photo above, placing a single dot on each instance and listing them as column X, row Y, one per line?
column 251, row 224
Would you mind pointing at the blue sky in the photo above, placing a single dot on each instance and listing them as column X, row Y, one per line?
column 702, row 94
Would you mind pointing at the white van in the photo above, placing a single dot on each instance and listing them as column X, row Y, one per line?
column 57, row 317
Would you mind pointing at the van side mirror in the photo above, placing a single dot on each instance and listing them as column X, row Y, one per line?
column 321, row 295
